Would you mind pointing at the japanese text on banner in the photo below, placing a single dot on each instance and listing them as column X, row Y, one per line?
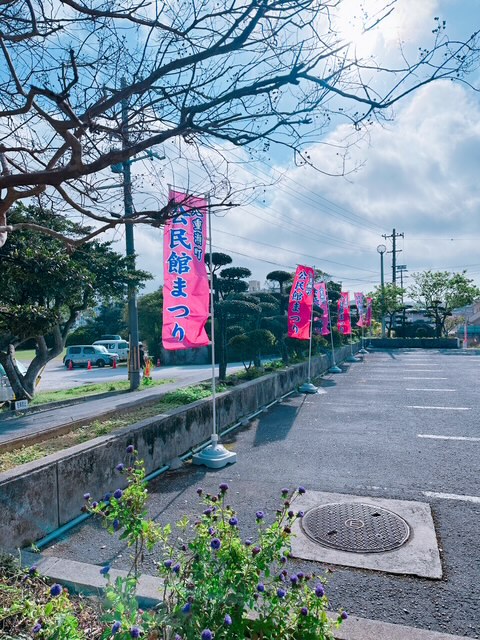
column 343, row 323
column 300, row 304
column 186, row 291
column 321, row 300
column 359, row 301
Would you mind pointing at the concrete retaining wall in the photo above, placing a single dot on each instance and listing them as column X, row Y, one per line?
column 39, row 497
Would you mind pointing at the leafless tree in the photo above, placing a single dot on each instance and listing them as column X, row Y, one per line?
column 233, row 71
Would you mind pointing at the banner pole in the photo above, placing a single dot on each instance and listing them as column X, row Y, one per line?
column 213, row 455
column 351, row 357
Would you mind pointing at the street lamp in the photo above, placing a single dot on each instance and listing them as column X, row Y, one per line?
column 381, row 250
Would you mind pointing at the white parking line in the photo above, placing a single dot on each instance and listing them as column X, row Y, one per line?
column 411, row 389
column 451, row 496
column 423, row 378
column 416, row 406
column 434, row 437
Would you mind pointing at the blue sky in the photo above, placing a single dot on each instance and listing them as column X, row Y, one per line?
column 417, row 173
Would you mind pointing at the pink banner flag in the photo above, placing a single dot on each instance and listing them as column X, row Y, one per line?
column 368, row 314
column 343, row 323
column 300, row 304
column 186, row 291
column 359, row 301
column 321, row 300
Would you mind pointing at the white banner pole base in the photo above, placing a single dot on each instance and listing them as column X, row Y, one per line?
column 214, row 455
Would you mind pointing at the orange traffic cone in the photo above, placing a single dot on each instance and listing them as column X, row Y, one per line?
column 89, row 366
column 114, row 365
column 158, row 362
column 70, row 365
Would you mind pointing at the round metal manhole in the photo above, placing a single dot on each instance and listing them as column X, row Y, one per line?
column 355, row 527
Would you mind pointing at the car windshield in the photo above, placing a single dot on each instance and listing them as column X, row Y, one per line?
column 102, row 349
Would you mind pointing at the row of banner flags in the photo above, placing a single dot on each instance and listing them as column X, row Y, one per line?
column 305, row 293
column 186, row 291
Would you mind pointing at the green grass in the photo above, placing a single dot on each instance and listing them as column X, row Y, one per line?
column 89, row 390
column 27, row 355
column 101, row 427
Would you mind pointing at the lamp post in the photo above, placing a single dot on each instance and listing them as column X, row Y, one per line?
column 381, row 250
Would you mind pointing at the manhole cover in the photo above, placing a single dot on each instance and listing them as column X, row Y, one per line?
column 355, row 527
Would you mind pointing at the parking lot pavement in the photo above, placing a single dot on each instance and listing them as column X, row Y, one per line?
column 398, row 426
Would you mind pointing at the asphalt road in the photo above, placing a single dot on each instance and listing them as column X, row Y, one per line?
column 400, row 425
column 56, row 377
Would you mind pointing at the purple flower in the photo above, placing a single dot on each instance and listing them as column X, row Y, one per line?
column 300, row 575
column 134, row 632
column 199, row 491
column 304, row 611
column 167, row 564
column 215, row 544
column 131, row 449
column 56, row 590
column 118, row 494
column 116, row 627
column 104, row 570
column 186, row 608
column 211, row 531
column 177, row 637
column 94, row 504
column 290, row 514
column 223, row 487
column 281, row 593
column 301, row 490
column 283, row 559
column 176, row 568
column 259, row 515
column 344, row 615
column 86, row 496
column 227, row 621
column 120, row 467
column 107, row 497
column 207, row 634
column 285, row 493
column 294, row 579
column 256, row 550
column 33, row 570
column 116, row 524
column 233, row 521
column 248, row 542
column 300, row 514
column 37, row 628
column 208, row 512
column 260, row 587
column 319, row 591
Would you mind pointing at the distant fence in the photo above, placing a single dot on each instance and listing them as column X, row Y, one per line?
column 413, row 343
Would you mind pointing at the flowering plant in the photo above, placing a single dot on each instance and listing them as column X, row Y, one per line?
column 216, row 585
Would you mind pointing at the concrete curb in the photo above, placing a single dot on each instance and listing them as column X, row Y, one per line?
column 86, row 578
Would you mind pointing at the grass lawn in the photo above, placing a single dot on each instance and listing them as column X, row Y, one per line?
column 27, row 355
column 90, row 390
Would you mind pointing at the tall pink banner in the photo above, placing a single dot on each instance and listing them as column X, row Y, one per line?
column 321, row 300
column 300, row 304
column 186, row 291
column 343, row 322
column 368, row 314
column 359, row 301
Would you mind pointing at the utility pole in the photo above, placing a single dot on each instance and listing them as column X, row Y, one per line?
column 134, row 354
column 394, row 252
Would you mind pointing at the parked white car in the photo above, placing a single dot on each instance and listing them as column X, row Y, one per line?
column 120, row 347
column 6, row 391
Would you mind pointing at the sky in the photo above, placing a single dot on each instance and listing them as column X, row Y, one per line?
column 417, row 173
